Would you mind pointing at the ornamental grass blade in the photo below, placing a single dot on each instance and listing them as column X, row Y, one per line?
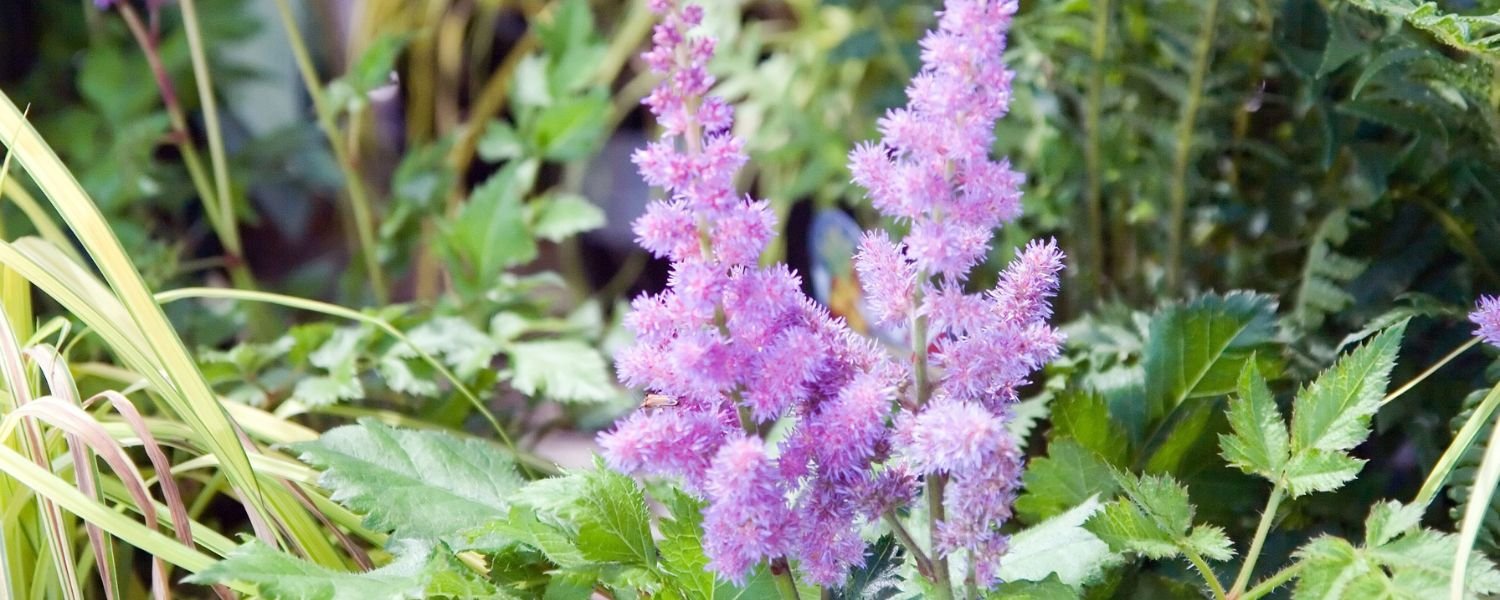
column 183, row 388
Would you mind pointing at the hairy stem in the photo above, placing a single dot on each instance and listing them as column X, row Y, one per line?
column 1202, row 52
column 1271, row 583
column 1261, row 530
column 1206, row 572
column 924, row 564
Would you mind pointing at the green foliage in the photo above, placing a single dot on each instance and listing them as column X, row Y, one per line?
column 1059, row 549
column 1155, row 520
column 1398, row 559
column 413, row 484
column 1196, row 349
column 419, row 570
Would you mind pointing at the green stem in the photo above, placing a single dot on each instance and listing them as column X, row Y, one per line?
column 935, row 483
column 203, row 78
column 1208, row 573
column 1092, row 155
column 1271, row 583
column 359, row 202
column 1428, row 373
column 1460, row 444
column 924, row 564
column 786, row 584
column 1183, row 155
column 1261, row 530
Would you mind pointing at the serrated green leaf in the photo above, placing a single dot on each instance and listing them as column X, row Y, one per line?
column 1318, row 471
column 415, row 484
column 562, row 216
column 457, row 342
column 1058, row 548
column 1068, row 476
column 613, row 525
column 521, row 526
column 500, row 142
column 1259, row 442
column 1211, row 542
column 1126, row 528
column 570, row 129
column 1161, row 497
column 566, row 370
column 1333, row 414
column 1390, row 519
column 490, row 234
column 276, row 575
column 1197, row 349
column 1047, row 589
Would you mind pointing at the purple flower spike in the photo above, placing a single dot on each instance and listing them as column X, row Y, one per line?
column 1486, row 316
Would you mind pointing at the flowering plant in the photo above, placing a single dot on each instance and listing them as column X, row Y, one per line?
column 738, row 348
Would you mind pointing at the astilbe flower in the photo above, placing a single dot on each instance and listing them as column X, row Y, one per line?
column 737, row 345
column 933, row 170
column 1486, row 317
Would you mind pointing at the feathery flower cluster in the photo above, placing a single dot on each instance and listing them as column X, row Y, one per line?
column 933, row 170
column 737, row 346
column 1486, row 317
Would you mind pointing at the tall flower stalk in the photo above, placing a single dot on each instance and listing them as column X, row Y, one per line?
column 970, row 351
column 736, row 347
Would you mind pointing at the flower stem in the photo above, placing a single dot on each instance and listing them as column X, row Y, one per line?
column 359, row 201
column 1202, row 52
column 1207, row 572
column 786, row 584
column 1092, row 155
column 924, row 564
column 1261, row 530
column 935, row 482
column 1428, row 373
column 1271, row 583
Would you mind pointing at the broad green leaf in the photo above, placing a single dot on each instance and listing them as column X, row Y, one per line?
column 613, row 525
column 1399, row 560
column 1333, row 414
column 561, row 216
column 489, row 234
column 572, row 24
column 1059, row 548
column 567, row 370
column 1259, row 443
column 1068, row 476
column 1197, row 349
column 1084, row 418
column 276, row 575
column 1318, row 471
column 416, row 484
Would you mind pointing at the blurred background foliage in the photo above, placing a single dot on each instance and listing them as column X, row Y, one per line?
column 458, row 172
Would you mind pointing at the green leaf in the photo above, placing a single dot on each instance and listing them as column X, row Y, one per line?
column 1259, row 443
column 458, row 342
column 1162, row 498
column 683, row 561
column 1197, row 349
column 1126, row 528
column 276, row 575
column 1398, row 560
column 572, row 24
column 613, row 525
column 564, row 215
column 1333, row 414
column 1318, row 471
column 1390, row 519
column 571, row 128
column 500, row 142
column 1059, row 548
column 374, row 66
column 1068, row 476
column 490, row 233
column 521, row 526
column 1211, row 542
column 567, row 370
column 1083, row 416
column 415, row 484
column 1047, row 589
